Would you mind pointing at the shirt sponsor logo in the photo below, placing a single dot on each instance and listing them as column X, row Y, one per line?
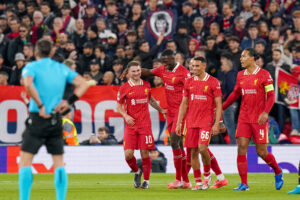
column 169, row 87
column 198, row 97
column 248, row 91
column 138, row 101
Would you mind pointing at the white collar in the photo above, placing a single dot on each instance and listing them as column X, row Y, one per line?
column 255, row 71
column 204, row 79
column 175, row 68
column 131, row 83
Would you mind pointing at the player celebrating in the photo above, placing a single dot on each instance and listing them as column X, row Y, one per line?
column 136, row 94
column 201, row 95
column 255, row 85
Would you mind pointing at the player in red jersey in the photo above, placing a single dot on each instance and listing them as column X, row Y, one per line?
column 136, row 95
column 173, row 76
column 255, row 85
column 201, row 95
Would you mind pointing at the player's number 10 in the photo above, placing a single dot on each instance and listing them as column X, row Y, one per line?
column 148, row 139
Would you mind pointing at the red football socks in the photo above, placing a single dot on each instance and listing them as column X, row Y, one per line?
column 184, row 172
column 242, row 166
column 197, row 175
column 214, row 164
column 132, row 164
column 188, row 160
column 270, row 160
column 146, row 165
column 177, row 156
column 207, row 170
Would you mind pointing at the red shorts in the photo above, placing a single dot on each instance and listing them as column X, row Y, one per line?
column 196, row 136
column 138, row 138
column 260, row 133
column 171, row 124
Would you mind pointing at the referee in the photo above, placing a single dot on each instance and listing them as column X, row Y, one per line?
column 45, row 82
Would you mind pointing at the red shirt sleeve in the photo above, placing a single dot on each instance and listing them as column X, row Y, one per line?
column 216, row 89
column 267, row 79
column 121, row 95
column 158, row 71
column 186, row 89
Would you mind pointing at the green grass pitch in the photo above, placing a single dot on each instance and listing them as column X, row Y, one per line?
column 120, row 187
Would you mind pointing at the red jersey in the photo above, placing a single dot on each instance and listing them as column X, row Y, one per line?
column 174, row 83
column 201, row 103
column 136, row 100
column 252, row 89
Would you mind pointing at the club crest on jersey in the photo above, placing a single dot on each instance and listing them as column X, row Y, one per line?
column 173, row 79
column 130, row 93
column 146, row 91
column 255, row 81
column 205, row 88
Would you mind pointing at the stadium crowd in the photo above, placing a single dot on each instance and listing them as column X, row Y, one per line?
column 98, row 38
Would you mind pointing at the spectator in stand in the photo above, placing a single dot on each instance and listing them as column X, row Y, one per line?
column 141, row 33
column 234, row 44
column 58, row 27
column 181, row 39
column 278, row 22
column 117, row 69
column 122, row 31
column 257, row 15
column 21, row 8
column 28, row 52
column 4, row 43
column 57, row 7
column 4, row 24
column 120, row 54
column 95, row 71
column 112, row 16
column 3, row 78
column 179, row 57
column 129, row 54
column 252, row 39
column 48, row 15
column 14, row 26
column 92, row 35
column 126, row 8
column 146, row 54
column 156, row 63
column 228, row 17
column 103, row 32
column 239, row 27
column 274, row 36
column 131, row 39
column 79, row 37
column 79, row 9
column 263, row 30
column 246, row 13
column 158, row 161
column 18, row 43
column 273, row 9
column 90, row 16
column 137, row 16
column 198, row 31
column 260, row 48
column 86, row 57
column 203, row 8
column 68, row 21
column 260, row 62
column 112, row 43
column 212, row 14
column 108, row 78
column 157, row 82
column 279, row 110
column 17, row 69
column 103, row 137
column 193, row 45
column 104, row 60
column 171, row 44
column 27, row 21
column 187, row 15
column 227, row 78
column 212, row 55
column 38, row 28
column 31, row 8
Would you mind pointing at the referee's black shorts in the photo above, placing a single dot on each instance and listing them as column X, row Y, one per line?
column 41, row 131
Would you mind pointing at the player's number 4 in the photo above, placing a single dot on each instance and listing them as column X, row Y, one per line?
column 205, row 135
column 148, row 139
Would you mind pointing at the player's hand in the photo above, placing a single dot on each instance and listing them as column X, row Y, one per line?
column 215, row 129
column 124, row 73
column 43, row 114
column 129, row 120
column 164, row 113
column 178, row 130
column 263, row 117
column 62, row 107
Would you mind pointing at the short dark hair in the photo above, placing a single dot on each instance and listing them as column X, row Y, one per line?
column 28, row 44
column 203, row 60
column 4, row 73
column 277, row 50
column 142, row 42
column 45, row 3
column 104, row 128
column 44, row 47
column 167, row 52
column 133, row 63
column 252, row 53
